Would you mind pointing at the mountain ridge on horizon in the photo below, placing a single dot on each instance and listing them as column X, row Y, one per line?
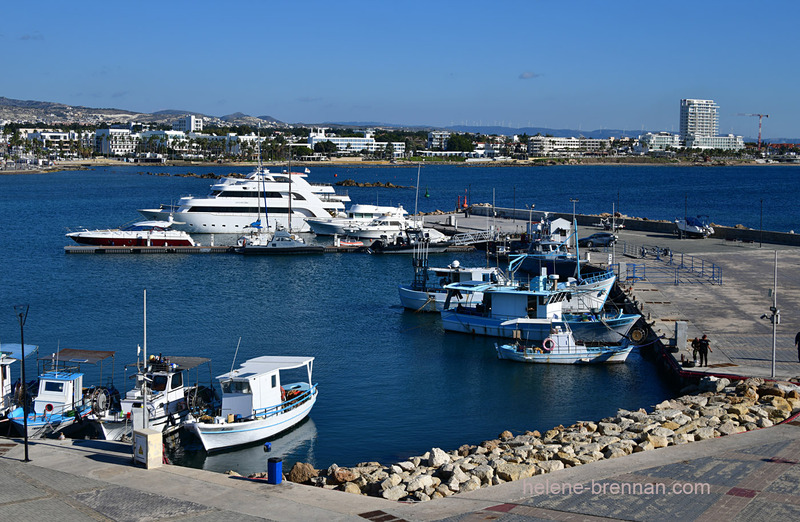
column 54, row 111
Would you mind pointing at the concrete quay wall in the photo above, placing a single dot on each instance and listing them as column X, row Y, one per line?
column 747, row 235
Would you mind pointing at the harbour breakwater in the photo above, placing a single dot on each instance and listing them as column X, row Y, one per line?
column 715, row 408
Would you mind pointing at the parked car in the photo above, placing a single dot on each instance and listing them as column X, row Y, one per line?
column 598, row 239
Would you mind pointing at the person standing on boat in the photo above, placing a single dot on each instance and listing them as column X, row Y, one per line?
column 703, row 348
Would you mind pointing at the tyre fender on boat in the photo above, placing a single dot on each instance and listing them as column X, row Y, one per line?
column 548, row 344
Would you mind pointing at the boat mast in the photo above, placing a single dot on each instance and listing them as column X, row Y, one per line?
column 145, row 413
column 416, row 199
column 289, row 148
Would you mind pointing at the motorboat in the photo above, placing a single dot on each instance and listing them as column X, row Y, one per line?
column 528, row 310
column 386, row 225
column 281, row 242
column 560, row 347
column 256, row 403
column 161, row 399
column 427, row 292
column 411, row 240
column 140, row 233
column 235, row 202
column 692, row 226
column 61, row 401
column 357, row 214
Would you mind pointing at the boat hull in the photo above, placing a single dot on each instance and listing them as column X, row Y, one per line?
column 609, row 331
column 130, row 241
column 580, row 355
column 431, row 300
column 219, row 436
column 221, row 223
column 41, row 425
column 272, row 250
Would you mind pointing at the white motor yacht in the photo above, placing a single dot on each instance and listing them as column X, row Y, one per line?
column 357, row 214
column 235, row 203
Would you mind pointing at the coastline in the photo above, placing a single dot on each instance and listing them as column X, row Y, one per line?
column 86, row 164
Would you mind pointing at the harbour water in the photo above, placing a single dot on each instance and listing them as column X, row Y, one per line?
column 392, row 383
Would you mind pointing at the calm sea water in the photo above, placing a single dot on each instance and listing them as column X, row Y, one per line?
column 392, row 383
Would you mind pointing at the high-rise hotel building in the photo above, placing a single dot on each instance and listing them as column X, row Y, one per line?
column 699, row 124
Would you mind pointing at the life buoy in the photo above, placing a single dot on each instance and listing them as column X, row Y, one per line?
column 548, row 344
column 48, row 407
column 283, row 394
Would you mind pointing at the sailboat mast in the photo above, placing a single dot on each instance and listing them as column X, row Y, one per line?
column 289, row 147
column 145, row 411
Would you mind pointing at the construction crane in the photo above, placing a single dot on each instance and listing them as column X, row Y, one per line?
column 760, row 116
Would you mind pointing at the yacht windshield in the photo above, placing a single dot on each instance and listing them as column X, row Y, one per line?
column 235, row 387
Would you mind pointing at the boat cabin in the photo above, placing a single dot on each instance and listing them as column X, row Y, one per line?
column 255, row 388
column 59, row 391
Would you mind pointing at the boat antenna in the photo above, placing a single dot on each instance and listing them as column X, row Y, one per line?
column 236, row 353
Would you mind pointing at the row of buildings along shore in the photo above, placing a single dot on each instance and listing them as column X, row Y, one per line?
column 699, row 124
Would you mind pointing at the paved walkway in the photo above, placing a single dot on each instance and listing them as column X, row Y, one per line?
column 749, row 476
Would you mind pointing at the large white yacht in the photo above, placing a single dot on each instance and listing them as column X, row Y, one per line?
column 357, row 214
column 235, row 203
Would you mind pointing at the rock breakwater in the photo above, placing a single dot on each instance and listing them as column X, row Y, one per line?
column 715, row 408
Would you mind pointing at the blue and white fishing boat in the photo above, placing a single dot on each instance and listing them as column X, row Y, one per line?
column 61, row 400
column 560, row 347
column 256, row 404
column 427, row 292
column 529, row 311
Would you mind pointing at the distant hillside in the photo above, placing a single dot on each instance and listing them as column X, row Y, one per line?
column 54, row 113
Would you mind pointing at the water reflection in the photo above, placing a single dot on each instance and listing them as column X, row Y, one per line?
column 295, row 445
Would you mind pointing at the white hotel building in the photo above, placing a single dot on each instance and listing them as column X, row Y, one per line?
column 549, row 145
column 355, row 144
column 699, row 124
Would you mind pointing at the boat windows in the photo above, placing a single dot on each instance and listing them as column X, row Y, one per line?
column 159, row 383
column 235, row 387
column 238, row 210
column 274, row 381
column 177, row 381
column 54, row 387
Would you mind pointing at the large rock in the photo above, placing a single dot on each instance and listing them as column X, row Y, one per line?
column 342, row 475
column 395, row 493
column 509, row 471
column 301, row 472
column 704, row 434
column 421, row 482
column 350, row 487
column 484, row 472
column 437, row 457
column 658, row 441
column 609, row 428
column 550, row 465
column 777, row 402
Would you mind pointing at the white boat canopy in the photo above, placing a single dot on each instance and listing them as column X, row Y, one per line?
column 268, row 364
column 15, row 350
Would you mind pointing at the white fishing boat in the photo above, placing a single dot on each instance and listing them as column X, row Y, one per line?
column 358, row 214
column 426, row 293
column 386, row 225
column 9, row 354
column 528, row 310
column 256, row 404
column 560, row 347
column 161, row 399
column 234, row 203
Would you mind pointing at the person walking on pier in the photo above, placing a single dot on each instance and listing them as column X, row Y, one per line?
column 703, row 347
column 797, row 345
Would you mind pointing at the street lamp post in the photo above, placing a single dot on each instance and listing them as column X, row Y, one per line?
column 575, row 237
column 22, row 314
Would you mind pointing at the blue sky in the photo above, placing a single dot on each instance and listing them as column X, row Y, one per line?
column 581, row 64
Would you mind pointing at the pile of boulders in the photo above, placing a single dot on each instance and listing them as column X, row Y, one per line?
column 716, row 408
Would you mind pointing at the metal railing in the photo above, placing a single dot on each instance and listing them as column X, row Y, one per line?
column 671, row 267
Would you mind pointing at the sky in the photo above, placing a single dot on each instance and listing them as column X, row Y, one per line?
column 581, row 64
